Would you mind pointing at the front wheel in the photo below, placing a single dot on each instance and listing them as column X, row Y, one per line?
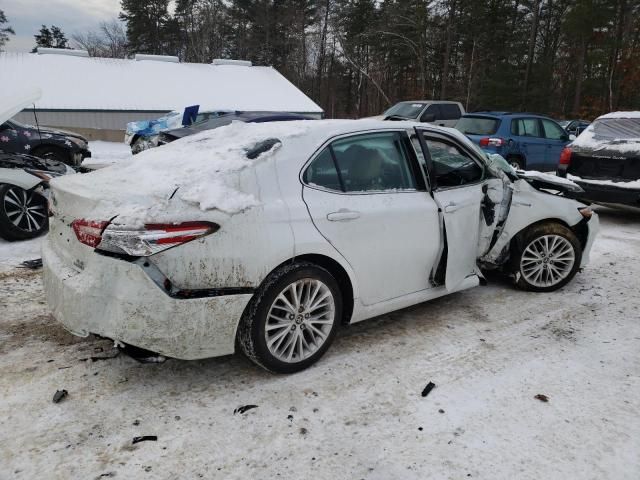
column 292, row 319
column 23, row 214
column 546, row 258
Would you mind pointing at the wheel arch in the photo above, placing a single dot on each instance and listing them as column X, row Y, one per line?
column 339, row 273
column 518, row 156
column 581, row 231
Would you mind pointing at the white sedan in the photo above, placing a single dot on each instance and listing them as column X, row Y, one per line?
column 270, row 236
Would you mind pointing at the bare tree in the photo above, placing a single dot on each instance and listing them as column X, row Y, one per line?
column 110, row 40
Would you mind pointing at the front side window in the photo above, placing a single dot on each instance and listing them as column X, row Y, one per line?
column 434, row 110
column 452, row 167
column 553, row 131
column 526, row 127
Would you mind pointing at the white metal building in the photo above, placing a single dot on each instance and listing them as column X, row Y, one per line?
column 98, row 96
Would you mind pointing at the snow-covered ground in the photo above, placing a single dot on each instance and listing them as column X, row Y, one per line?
column 359, row 412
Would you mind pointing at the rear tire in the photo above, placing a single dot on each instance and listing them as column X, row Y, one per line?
column 516, row 162
column 292, row 318
column 23, row 213
column 546, row 257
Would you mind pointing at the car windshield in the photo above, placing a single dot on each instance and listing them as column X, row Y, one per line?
column 617, row 129
column 212, row 123
column 405, row 109
column 478, row 125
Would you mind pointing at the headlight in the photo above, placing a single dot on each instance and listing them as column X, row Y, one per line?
column 79, row 142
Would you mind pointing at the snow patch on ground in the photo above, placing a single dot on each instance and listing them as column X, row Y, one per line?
column 13, row 253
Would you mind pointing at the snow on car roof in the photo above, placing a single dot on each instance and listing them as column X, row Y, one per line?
column 633, row 114
column 199, row 169
column 78, row 83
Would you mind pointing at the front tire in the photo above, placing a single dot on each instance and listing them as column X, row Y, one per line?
column 546, row 257
column 23, row 213
column 292, row 319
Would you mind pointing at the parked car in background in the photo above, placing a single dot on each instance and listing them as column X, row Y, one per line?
column 143, row 134
column 605, row 159
column 269, row 236
column 526, row 141
column 574, row 127
column 59, row 145
column 245, row 117
column 439, row 112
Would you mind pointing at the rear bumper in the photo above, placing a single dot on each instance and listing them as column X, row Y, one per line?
column 117, row 299
column 596, row 192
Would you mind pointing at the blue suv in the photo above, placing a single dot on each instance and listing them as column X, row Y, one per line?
column 527, row 141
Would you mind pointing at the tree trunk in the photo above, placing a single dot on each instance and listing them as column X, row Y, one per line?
column 582, row 53
column 532, row 45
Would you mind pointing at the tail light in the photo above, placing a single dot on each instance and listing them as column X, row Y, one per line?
column 142, row 242
column 88, row 232
column 565, row 156
column 492, row 142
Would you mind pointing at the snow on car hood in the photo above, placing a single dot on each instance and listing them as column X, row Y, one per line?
column 200, row 170
column 13, row 102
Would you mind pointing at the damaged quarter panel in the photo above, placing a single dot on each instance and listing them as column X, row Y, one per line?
column 247, row 247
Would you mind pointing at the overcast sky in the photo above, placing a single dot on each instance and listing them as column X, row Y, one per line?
column 27, row 16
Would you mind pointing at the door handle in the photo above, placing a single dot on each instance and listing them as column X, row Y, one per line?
column 452, row 207
column 343, row 215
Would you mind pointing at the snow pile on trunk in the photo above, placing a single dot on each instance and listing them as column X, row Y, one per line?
column 200, row 169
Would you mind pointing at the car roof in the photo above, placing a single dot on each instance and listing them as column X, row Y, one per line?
column 495, row 114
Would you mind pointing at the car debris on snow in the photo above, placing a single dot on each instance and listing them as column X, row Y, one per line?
column 59, row 395
column 144, row 438
column 430, row 386
column 244, row 408
column 543, row 398
column 32, row 264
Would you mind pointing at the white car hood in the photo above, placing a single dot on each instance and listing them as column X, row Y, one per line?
column 13, row 102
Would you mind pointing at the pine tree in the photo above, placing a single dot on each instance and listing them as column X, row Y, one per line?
column 52, row 37
column 4, row 31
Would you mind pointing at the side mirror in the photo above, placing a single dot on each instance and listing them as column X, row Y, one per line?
column 428, row 117
column 572, row 137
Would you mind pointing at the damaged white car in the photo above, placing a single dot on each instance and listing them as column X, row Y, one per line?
column 268, row 237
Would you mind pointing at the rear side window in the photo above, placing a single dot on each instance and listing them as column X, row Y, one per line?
column 322, row 172
column 432, row 110
column 373, row 162
column 553, row 131
column 478, row 125
column 526, row 127
column 449, row 111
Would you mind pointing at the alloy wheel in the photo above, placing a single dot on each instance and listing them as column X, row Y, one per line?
column 300, row 320
column 25, row 210
column 547, row 260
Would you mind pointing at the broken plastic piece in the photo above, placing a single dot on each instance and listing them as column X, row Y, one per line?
column 32, row 264
column 144, row 438
column 542, row 397
column 430, row 386
column 244, row 408
column 59, row 395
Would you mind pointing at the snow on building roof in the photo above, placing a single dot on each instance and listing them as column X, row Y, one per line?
column 77, row 83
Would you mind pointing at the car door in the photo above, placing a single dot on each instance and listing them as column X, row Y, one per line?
column 460, row 188
column 450, row 114
column 556, row 138
column 531, row 143
column 367, row 197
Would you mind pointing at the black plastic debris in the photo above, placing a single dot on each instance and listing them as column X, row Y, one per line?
column 59, row 395
column 543, row 398
column 32, row 264
column 145, row 438
column 430, row 386
column 244, row 408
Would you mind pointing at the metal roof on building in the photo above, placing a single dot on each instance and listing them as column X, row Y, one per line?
column 78, row 83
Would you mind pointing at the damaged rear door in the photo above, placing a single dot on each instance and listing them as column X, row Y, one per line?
column 468, row 198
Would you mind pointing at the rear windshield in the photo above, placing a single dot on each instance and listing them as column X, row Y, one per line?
column 406, row 110
column 617, row 129
column 478, row 125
